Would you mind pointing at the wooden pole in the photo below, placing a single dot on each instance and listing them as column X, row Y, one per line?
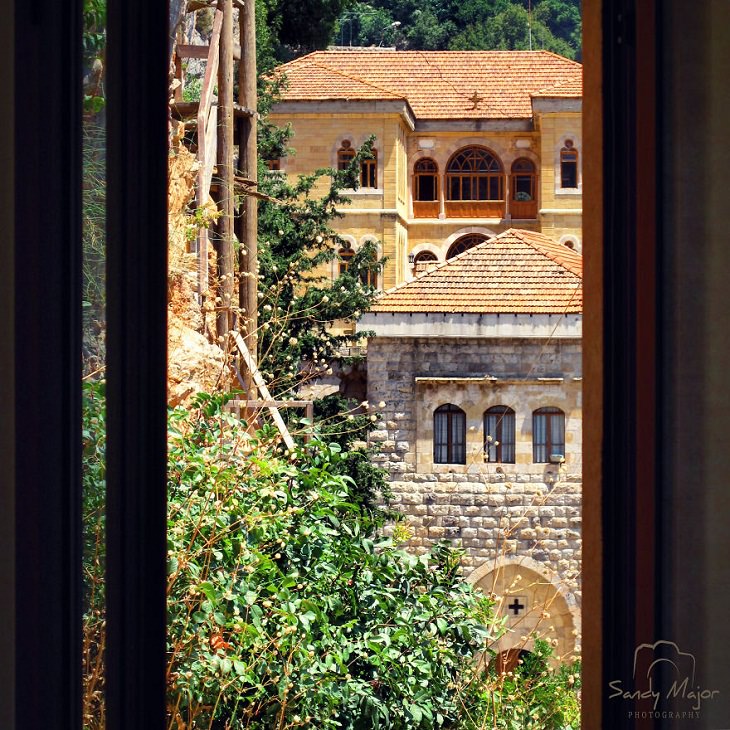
column 225, row 171
column 248, row 224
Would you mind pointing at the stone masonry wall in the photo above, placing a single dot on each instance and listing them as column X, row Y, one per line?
column 494, row 511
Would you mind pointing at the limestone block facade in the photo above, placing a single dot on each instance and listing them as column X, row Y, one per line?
column 499, row 513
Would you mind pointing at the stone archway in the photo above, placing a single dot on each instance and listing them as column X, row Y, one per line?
column 534, row 604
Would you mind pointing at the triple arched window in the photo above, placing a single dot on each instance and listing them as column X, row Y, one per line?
column 475, row 186
column 474, row 173
column 449, row 435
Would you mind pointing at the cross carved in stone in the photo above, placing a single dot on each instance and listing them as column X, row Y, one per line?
column 516, row 607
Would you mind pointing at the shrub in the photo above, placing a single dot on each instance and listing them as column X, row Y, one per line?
column 285, row 607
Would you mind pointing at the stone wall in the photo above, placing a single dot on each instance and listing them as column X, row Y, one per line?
column 498, row 513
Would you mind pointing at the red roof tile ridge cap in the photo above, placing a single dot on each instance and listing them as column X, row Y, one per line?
column 543, row 246
column 562, row 84
column 557, row 55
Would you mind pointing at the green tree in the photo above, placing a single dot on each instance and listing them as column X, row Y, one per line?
column 511, row 29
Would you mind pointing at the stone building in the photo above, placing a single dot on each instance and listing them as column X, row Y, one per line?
column 467, row 145
column 476, row 352
column 475, row 366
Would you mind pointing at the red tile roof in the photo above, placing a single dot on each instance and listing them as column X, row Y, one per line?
column 516, row 272
column 436, row 84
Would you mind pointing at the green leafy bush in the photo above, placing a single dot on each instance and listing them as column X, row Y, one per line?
column 533, row 696
column 285, row 607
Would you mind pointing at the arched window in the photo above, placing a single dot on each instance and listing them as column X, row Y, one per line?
column 345, row 253
column 569, row 165
column 523, row 203
column 475, row 174
column 425, row 180
column 369, row 171
column 499, row 435
column 449, row 435
column 464, row 244
column 548, row 435
column 424, row 260
column 345, row 155
column 369, row 277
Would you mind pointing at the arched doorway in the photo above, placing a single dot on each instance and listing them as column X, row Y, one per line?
column 534, row 604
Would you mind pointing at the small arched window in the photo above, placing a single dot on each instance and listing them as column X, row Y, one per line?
column 345, row 155
column 474, row 173
column 524, row 188
column 464, row 244
column 548, row 435
column 499, row 435
column 425, row 180
column 369, row 171
column 345, row 253
column 369, row 277
column 449, row 435
column 424, row 261
column 569, row 165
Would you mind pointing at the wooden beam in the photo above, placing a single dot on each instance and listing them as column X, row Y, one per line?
column 224, row 245
column 258, row 380
column 191, row 50
column 247, row 226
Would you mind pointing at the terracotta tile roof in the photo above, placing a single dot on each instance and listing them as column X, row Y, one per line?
column 516, row 272
column 436, row 84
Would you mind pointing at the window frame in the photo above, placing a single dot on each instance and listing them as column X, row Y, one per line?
column 345, row 154
column 550, row 444
column 369, row 172
column 454, row 417
column 418, row 175
column 470, row 174
column 568, row 150
column 504, row 416
column 464, row 243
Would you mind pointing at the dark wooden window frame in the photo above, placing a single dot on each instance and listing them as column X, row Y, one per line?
column 369, row 172
column 464, row 243
column 504, row 415
column 569, row 159
column 425, row 168
column 622, row 540
column 455, row 451
column 550, row 444
column 464, row 167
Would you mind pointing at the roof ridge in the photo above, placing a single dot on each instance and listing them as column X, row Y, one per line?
column 566, row 264
column 357, row 78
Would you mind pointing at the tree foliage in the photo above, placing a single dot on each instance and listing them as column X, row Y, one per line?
column 553, row 25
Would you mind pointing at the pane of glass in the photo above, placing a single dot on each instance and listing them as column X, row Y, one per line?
column 569, row 174
column 458, row 428
column 557, row 432
column 440, row 445
column 539, row 452
column 93, row 361
column 508, row 438
column 426, row 187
